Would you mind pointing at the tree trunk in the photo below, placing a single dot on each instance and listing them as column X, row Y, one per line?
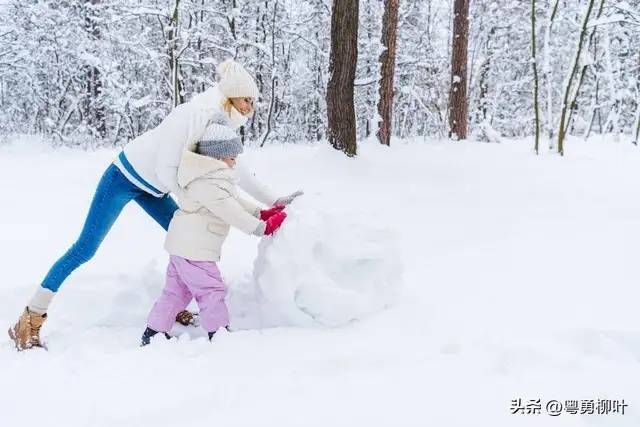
column 548, row 74
column 341, row 112
column 387, row 70
column 95, row 107
column 174, row 65
column 483, row 79
column 593, row 109
column 613, row 117
column 637, row 125
column 573, row 106
column 636, row 138
column 458, row 103
column 572, row 74
column 535, row 75
column 274, row 79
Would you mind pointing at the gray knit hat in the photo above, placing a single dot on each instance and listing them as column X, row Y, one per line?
column 220, row 148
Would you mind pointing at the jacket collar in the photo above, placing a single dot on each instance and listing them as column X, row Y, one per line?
column 193, row 166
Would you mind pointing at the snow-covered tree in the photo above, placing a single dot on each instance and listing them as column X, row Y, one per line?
column 95, row 71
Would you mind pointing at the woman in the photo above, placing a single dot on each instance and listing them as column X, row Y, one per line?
column 146, row 172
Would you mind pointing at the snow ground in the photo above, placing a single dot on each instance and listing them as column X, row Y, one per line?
column 519, row 280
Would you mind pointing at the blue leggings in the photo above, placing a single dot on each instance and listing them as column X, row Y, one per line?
column 113, row 193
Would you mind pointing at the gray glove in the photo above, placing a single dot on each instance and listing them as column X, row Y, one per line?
column 286, row 200
column 259, row 231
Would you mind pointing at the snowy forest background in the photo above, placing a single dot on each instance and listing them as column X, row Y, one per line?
column 91, row 72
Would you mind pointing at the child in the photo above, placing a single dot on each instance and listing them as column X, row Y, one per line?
column 209, row 206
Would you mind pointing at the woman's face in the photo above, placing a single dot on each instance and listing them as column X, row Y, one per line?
column 243, row 104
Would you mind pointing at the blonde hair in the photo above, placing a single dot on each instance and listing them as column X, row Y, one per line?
column 227, row 105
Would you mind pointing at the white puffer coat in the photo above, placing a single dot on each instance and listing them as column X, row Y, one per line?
column 209, row 206
column 151, row 160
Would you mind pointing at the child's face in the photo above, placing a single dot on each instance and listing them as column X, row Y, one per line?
column 243, row 104
column 230, row 161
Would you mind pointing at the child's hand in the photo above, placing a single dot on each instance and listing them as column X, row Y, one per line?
column 268, row 213
column 274, row 222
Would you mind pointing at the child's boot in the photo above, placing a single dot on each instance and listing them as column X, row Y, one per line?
column 211, row 334
column 148, row 334
column 26, row 332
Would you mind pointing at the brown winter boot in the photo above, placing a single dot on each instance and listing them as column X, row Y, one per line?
column 26, row 333
column 185, row 318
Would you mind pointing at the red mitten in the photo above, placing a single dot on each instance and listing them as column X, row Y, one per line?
column 268, row 213
column 274, row 223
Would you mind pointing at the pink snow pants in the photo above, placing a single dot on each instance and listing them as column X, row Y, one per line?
column 186, row 280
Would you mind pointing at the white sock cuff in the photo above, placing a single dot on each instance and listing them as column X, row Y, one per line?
column 39, row 302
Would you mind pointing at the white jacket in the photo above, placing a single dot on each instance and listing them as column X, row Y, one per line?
column 151, row 160
column 209, row 206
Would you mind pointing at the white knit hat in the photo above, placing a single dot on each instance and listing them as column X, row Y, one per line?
column 235, row 81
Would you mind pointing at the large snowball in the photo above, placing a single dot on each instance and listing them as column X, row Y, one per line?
column 325, row 269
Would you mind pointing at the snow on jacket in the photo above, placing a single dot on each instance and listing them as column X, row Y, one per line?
column 151, row 160
column 210, row 204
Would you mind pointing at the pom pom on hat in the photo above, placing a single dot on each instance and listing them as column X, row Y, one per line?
column 235, row 81
column 226, row 66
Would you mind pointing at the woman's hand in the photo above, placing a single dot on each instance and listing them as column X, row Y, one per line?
column 286, row 200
